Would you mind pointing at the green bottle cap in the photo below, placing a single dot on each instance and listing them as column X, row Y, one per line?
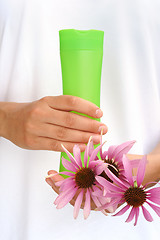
column 72, row 39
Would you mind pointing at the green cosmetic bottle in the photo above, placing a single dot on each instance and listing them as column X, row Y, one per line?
column 81, row 54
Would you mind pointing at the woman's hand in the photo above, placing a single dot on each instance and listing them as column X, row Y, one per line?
column 47, row 123
column 53, row 179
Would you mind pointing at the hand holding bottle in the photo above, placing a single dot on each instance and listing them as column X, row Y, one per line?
column 47, row 123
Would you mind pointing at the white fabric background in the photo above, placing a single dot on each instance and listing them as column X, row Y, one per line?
column 30, row 69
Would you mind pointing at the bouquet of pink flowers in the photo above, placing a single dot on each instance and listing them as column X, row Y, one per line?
column 107, row 181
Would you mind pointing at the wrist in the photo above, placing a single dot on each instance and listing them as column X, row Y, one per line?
column 2, row 118
column 152, row 172
column 154, row 164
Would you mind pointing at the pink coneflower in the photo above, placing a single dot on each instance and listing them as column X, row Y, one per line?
column 112, row 160
column 131, row 192
column 81, row 181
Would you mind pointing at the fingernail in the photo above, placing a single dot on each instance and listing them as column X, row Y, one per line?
column 105, row 129
column 99, row 113
column 96, row 139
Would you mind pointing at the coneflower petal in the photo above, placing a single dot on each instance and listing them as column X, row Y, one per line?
column 67, row 173
column 105, row 200
column 95, row 152
column 136, row 215
column 98, row 204
column 77, row 154
column 68, row 197
column 86, row 153
column 68, row 165
column 154, row 192
column 91, row 148
column 155, row 208
column 95, row 163
column 111, row 152
column 104, row 154
column 97, row 192
column 67, row 184
column 146, row 214
column 154, row 199
column 116, row 180
column 106, row 184
column 111, row 194
column 107, row 205
column 87, row 206
column 100, row 169
column 73, row 160
column 62, row 195
column 97, row 200
column 135, row 163
column 64, row 172
column 131, row 215
column 122, row 149
column 122, row 211
column 128, row 170
column 141, row 170
column 77, row 204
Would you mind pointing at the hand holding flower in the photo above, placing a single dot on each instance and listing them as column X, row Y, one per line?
column 108, row 181
column 58, row 178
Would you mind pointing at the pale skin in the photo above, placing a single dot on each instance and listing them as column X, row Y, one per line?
column 47, row 123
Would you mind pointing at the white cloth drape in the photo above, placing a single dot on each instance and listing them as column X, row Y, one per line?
column 30, row 69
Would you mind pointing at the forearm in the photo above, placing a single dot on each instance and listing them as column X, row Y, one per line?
column 153, row 165
column 2, row 118
column 8, row 117
column 153, row 168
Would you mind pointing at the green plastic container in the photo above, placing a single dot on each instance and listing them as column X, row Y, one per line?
column 81, row 54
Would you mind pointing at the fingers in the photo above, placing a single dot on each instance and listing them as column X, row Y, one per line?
column 55, row 145
column 53, row 179
column 67, row 134
column 56, row 178
column 60, row 114
column 46, row 123
column 75, row 121
column 73, row 103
